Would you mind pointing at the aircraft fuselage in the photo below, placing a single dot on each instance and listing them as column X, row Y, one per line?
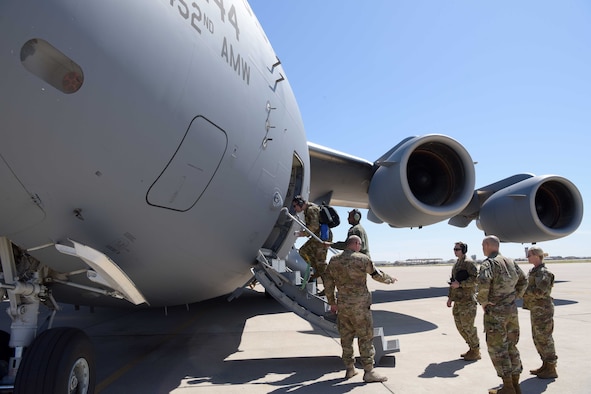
column 168, row 146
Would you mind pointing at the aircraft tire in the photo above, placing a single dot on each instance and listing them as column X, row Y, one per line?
column 5, row 353
column 60, row 360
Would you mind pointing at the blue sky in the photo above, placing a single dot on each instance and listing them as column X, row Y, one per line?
column 509, row 80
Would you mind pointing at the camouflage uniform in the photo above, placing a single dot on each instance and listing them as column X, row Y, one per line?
column 348, row 272
column 537, row 299
column 313, row 251
column 464, row 298
column 500, row 282
column 359, row 231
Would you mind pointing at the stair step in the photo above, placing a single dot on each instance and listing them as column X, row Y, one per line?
column 300, row 301
column 383, row 346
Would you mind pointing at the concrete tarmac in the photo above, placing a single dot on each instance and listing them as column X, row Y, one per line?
column 253, row 345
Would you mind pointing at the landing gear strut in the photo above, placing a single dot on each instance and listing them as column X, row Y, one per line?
column 59, row 360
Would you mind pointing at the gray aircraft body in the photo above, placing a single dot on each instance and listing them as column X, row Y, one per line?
column 151, row 148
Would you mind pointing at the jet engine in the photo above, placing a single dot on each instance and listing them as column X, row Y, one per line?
column 421, row 181
column 537, row 209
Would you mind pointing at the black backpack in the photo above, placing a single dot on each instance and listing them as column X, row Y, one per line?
column 329, row 216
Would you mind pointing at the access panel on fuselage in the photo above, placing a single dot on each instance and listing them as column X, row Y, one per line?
column 189, row 172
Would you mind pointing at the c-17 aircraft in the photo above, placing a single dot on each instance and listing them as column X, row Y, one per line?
column 150, row 151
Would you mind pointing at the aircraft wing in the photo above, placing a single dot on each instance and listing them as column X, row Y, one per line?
column 339, row 178
column 427, row 179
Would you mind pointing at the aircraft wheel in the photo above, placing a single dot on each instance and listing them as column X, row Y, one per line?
column 60, row 360
column 5, row 353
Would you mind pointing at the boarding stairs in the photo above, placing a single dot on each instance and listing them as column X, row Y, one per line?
column 288, row 287
column 291, row 289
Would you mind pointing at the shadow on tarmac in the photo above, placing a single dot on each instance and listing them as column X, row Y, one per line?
column 446, row 369
column 382, row 296
column 533, row 385
column 189, row 341
column 294, row 369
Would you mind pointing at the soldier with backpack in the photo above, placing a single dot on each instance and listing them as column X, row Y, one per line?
column 313, row 251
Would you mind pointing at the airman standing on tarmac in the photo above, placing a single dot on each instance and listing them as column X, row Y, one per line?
column 500, row 283
column 347, row 272
column 462, row 294
column 539, row 302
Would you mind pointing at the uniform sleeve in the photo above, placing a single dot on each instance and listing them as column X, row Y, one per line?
column 472, row 280
column 484, row 280
column 329, row 285
column 313, row 219
column 521, row 282
column 450, row 277
column 378, row 275
column 544, row 283
column 341, row 245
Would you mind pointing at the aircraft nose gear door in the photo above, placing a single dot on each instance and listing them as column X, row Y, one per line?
column 104, row 271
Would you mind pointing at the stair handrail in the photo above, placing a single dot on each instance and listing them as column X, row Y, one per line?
column 306, row 229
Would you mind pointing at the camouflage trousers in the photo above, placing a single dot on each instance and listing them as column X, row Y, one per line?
column 314, row 253
column 501, row 326
column 542, row 326
column 356, row 321
column 464, row 313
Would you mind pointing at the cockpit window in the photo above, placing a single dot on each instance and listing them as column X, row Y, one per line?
column 46, row 62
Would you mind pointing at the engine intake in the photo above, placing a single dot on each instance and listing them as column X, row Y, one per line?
column 422, row 181
column 537, row 209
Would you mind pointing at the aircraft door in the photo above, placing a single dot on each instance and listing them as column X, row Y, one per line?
column 276, row 240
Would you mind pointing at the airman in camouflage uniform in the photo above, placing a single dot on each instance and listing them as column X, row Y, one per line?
column 313, row 251
column 356, row 229
column 347, row 272
column 539, row 302
column 500, row 283
column 462, row 294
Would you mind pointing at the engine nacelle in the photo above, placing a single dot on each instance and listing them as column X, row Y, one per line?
column 422, row 181
column 537, row 209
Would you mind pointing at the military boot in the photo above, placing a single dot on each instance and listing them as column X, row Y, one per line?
column 464, row 354
column 515, row 379
column 549, row 372
column 371, row 376
column 351, row 371
column 473, row 355
column 537, row 371
column 506, row 389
